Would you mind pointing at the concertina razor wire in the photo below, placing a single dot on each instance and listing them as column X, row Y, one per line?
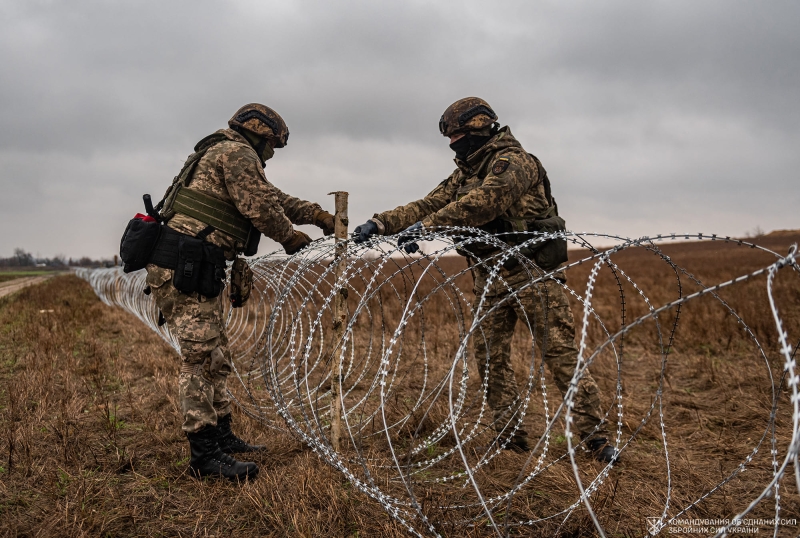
column 419, row 436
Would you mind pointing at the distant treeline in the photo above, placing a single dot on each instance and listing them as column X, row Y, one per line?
column 26, row 259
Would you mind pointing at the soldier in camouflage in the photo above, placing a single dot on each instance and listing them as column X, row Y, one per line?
column 231, row 170
column 497, row 179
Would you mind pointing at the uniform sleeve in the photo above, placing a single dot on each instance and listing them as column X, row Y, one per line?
column 508, row 179
column 402, row 217
column 298, row 211
column 255, row 197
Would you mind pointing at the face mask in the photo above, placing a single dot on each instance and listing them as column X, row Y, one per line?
column 266, row 153
column 468, row 144
column 461, row 147
column 263, row 149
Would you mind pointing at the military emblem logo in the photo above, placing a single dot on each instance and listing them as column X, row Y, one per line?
column 500, row 166
column 653, row 525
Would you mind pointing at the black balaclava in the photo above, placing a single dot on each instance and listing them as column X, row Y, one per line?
column 471, row 142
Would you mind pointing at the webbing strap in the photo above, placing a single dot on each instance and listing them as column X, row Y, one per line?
column 182, row 179
column 548, row 193
column 205, row 232
column 192, row 368
column 213, row 212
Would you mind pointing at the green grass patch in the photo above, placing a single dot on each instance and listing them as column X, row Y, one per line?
column 5, row 276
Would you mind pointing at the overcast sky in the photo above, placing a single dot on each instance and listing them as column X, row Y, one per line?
column 650, row 117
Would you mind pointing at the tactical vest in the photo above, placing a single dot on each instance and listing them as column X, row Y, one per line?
column 549, row 254
column 524, row 223
column 507, row 224
column 208, row 209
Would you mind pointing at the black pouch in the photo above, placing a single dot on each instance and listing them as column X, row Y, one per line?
column 553, row 252
column 212, row 271
column 253, row 238
column 190, row 261
column 137, row 244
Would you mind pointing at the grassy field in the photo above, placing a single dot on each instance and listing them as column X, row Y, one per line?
column 6, row 275
column 90, row 441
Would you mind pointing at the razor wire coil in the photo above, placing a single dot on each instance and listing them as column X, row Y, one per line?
column 416, row 422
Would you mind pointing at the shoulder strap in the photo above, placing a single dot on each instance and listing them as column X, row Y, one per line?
column 184, row 177
column 544, row 179
column 208, row 142
column 552, row 210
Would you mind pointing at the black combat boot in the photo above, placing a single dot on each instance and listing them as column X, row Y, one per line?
column 229, row 443
column 602, row 451
column 209, row 460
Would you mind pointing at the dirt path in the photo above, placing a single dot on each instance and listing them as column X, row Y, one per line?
column 9, row 287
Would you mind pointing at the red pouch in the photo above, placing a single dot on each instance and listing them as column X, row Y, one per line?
column 146, row 218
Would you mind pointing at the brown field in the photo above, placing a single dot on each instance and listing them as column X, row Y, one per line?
column 90, row 441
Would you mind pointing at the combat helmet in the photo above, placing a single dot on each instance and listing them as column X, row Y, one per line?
column 262, row 121
column 467, row 114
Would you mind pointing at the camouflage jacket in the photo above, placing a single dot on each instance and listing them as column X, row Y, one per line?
column 232, row 172
column 498, row 180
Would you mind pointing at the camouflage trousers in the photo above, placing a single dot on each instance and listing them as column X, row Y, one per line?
column 545, row 307
column 197, row 322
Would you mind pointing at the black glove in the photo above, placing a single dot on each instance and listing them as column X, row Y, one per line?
column 363, row 232
column 406, row 239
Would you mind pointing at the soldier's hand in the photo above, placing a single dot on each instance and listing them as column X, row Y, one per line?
column 324, row 220
column 296, row 243
column 408, row 236
column 363, row 232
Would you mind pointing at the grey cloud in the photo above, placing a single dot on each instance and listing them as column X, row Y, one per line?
column 646, row 114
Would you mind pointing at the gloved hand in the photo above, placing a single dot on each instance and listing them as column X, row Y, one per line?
column 407, row 238
column 363, row 232
column 324, row 220
column 296, row 243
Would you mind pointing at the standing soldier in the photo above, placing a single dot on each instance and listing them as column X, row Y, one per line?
column 498, row 184
column 221, row 200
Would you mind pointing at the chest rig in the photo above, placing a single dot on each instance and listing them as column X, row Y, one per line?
column 547, row 254
column 209, row 210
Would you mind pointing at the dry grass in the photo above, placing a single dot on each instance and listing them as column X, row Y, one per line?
column 90, row 441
